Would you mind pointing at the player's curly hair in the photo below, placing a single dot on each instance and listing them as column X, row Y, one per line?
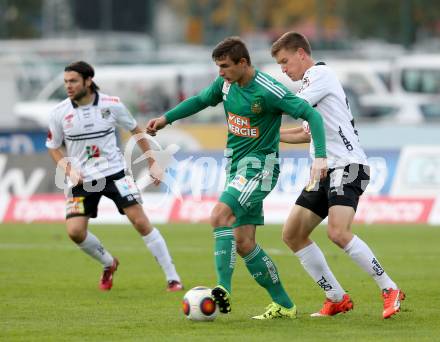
column 291, row 41
column 85, row 70
column 232, row 47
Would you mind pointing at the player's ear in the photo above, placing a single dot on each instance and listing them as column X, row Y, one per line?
column 88, row 82
column 243, row 61
column 301, row 52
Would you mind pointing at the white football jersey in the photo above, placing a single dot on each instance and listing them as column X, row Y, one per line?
column 89, row 133
column 322, row 90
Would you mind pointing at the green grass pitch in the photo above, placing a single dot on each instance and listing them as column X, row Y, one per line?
column 48, row 288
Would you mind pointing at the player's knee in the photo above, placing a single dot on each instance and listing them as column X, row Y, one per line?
column 139, row 222
column 220, row 217
column 76, row 234
column 288, row 237
column 293, row 238
column 217, row 220
column 142, row 225
column 244, row 246
column 338, row 236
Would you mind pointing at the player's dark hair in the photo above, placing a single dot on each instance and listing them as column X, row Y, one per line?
column 291, row 41
column 85, row 70
column 232, row 47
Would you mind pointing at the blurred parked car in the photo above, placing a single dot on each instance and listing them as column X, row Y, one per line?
column 400, row 109
column 147, row 90
column 417, row 76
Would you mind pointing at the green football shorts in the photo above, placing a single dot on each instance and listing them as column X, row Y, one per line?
column 244, row 193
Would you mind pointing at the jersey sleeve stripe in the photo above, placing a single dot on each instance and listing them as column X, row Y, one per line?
column 271, row 90
column 271, row 87
column 264, row 78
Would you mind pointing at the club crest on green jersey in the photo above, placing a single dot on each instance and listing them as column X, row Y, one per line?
column 257, row 106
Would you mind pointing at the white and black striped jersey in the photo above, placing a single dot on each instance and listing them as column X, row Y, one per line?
column 321, row 89
column 89, row 133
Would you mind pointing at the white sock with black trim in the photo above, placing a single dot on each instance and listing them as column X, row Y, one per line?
column 359, row 251
column 158, row 247
column 93, row 247
column 313, row 261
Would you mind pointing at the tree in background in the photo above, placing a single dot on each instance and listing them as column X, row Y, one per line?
column 396, row 21
column 20, row 19
column 208, row 21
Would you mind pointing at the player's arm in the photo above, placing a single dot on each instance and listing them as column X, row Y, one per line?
column 209, row 96
column 54, row 142
column 295, row 135
column 299, row 108
column 156, row 173
column 125, row 120
column 184, row 109
column 57, row 156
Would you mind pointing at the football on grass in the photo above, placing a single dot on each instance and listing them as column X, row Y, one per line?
column 198, row 304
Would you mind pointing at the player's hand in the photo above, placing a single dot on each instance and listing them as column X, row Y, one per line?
column 156, row 173
column 75, row 176
column 317, row 172
column 155, row 124
column 319, row 169
column 306, row 127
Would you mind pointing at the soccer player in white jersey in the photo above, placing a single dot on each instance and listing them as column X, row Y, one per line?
column 338, row 195
column 86, row 123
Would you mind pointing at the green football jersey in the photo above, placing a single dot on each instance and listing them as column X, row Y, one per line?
column 253, row 113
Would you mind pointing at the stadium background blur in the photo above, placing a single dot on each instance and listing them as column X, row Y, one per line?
column 153, row 54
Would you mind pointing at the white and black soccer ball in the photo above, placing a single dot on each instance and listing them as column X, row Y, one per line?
column 198, row 304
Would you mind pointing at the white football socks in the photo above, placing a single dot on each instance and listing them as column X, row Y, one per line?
column 364, row 257
column 93, row 247
column 156, row 244
column 313, row 261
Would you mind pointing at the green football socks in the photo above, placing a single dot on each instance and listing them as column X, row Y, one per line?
column 225, row 255
column 264, row 271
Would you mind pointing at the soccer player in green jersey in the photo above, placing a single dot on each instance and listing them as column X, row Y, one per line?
column 253, row 103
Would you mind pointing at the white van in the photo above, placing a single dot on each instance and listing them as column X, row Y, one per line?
column 415, row 91
column 147, row 90
column 417, row 76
